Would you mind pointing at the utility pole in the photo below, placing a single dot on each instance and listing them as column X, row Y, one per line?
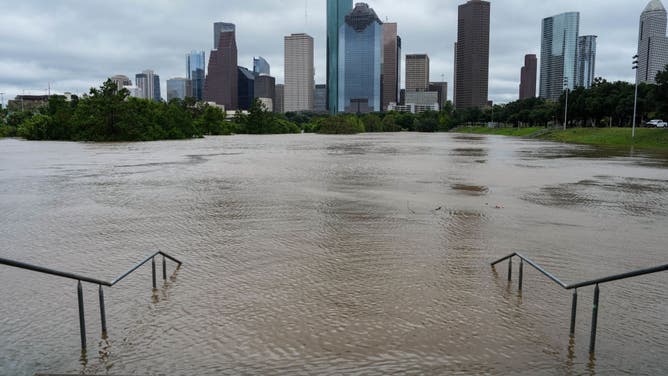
column 566, row 109
column 635, row 100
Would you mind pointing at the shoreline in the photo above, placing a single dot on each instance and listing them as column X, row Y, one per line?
column 647, row 138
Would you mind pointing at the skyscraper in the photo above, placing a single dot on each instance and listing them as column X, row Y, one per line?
column 528, row 76
column 178, row 88
column 391, row 65
column 442, row 89
column 417, row 72
column 586, row 62
column 121, row 81
column 279, row 99
column 336, row 14
column 246, row 88
column 261, row 66
column 219, row 28
column 360, row 61
column 299, row 73
column 221, row 83
column 265, row 89
column 472, row 55
column 652, row 42
column 558, row 55
column 320, row 99
column 195, row 72
column 148, row 85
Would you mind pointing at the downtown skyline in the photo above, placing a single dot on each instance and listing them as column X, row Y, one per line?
column 515, row 31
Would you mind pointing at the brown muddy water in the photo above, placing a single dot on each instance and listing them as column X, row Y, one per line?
column 307, row 254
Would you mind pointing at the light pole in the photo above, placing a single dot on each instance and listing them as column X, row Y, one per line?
column 566, row 109
column 635, row 100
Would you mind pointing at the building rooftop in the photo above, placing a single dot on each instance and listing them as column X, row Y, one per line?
column 654, row 5
column 361, row 17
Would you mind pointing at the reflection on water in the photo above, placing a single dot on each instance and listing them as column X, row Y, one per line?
column 331, row 255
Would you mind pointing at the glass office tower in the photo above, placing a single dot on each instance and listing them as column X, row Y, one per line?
column 360, row 57
column 195, row 72
column 586, row 65
column 336, row 13
column 261, row 66
column 559, row 44
column 652, row 42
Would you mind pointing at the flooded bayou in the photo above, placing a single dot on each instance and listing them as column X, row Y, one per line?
column 307, row 254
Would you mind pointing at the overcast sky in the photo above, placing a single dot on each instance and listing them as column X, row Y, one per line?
column 76, row 44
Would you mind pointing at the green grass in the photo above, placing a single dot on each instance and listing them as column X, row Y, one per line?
column 519, row 132
column 645, row 137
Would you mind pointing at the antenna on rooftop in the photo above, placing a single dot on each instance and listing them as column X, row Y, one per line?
column 305, row 13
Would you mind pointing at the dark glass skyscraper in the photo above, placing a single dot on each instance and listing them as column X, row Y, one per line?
column 195, row 72
column 221, row 83
column 336, row 13
column 360, row 57
column 472, row 55
column 246, row 88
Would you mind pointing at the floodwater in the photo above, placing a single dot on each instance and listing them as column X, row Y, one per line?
column 308, row 254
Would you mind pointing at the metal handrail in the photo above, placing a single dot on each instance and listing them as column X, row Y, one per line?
column 575, row 287
column 100, row 283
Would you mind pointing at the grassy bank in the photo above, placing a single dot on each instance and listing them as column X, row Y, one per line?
column 645, row 138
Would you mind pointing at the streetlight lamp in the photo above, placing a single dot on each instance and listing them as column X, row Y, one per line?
column 635, row 100
column 566, row 109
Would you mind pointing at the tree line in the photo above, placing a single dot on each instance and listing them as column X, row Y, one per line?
column 109, row 114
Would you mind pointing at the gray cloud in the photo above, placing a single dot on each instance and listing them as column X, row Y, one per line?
column 75, row 44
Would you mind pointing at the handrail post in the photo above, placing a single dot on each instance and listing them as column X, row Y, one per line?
column 164, row 268
column 574, row 311
column 82, row 320
column 103, row 315
column 510, row 269
column 153, row 270
column 594, row 322
column 521, row 277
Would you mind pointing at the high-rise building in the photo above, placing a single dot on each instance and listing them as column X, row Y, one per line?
column 652, row 42
column 178, row 88
column 391, row 65
column 442, row 89
column 279, row 99
column 336, row 14
column 558, row 55
column 299, row 73
column 261, row 66
column 221, row 83
column 586, row 61
column 121, row 81
column 528, row 76
column 246, row 88
column 472, row 55
column 360, row 61
column 320, row 99
column 196, row 72
column 265, row 86
column 417, row 72
column 148, row 85
column 219, row 28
